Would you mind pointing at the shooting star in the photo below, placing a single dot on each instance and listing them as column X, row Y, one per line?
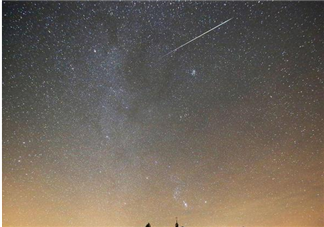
column 196, row 38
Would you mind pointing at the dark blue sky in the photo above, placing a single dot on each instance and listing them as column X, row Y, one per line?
column 98, row 130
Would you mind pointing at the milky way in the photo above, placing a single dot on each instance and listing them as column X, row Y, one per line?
column 226, row 131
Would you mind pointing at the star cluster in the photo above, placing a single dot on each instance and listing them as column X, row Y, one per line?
column 100, row 130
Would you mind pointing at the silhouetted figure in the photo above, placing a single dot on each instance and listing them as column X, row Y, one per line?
column 148, row 225
column 176, row 225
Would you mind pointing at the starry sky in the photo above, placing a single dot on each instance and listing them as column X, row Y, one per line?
column 100, row 130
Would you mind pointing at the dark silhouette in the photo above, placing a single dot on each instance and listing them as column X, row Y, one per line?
column 176, row 224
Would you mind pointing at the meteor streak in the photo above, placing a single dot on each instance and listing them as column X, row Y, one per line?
column 196, row 38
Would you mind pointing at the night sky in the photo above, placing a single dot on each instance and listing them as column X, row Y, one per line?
column 100, row 130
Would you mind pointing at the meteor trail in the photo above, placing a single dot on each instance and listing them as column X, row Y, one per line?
column 196, row 38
